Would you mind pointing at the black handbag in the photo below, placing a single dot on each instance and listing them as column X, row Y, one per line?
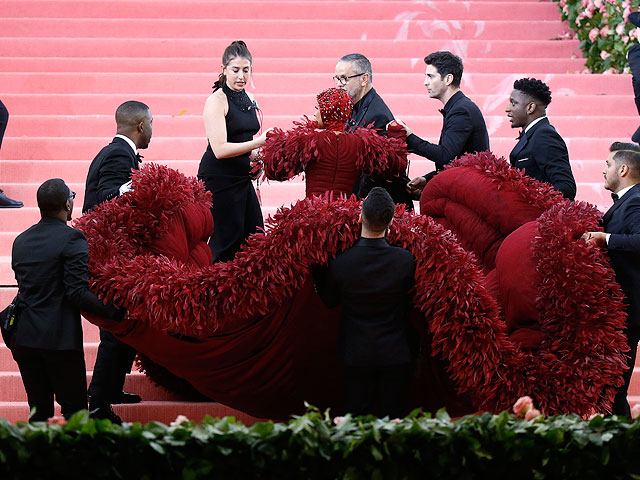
column 9, row 318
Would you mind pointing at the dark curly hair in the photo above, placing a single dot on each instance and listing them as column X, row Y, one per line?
column 535, row 88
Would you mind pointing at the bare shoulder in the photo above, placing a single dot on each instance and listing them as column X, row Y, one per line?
column 216, row 102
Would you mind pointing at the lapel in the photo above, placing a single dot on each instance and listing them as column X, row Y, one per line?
column 513, row 156
column 607, row 216
column 134, row 159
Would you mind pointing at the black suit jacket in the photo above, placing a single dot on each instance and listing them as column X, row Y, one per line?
column 372, row 281
column 50, row 264
column 108, row 171
column 622, row 221
column 371, row 109
column 543, row 155
column 463, row 131
column 634, row 65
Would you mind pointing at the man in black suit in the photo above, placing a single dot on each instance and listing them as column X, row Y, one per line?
column 354, row 74
column 540, row 151
column 50, row 264
column 634, row 64
column 463, row 127
column 622, row 241
column 6, row 202
column 109, row 176
column 372, row 281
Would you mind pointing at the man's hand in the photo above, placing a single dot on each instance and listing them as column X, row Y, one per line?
column 399, row 125
column 597, row 238
column 416, row 185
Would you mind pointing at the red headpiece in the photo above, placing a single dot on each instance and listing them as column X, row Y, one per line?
column 335, row 107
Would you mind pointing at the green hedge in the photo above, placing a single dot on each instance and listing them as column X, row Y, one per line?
column 312, row 446
column 603, row 30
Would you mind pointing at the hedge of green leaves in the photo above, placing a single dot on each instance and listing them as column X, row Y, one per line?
column 312, row 446
column 603, row 30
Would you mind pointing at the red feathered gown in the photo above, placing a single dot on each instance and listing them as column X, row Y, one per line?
column 332, row 159
column 514, row 304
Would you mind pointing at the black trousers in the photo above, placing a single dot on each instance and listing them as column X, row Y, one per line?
column 46, row 373
column 620, row 403
column 4, row 118
column 388, row 386
column 113, row 362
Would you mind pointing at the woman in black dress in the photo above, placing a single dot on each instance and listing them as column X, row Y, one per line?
column 231, row 121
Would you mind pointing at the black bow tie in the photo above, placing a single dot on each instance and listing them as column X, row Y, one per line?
column 614, row 197
column 521, row 135
column 443, row 112
column 139, row 157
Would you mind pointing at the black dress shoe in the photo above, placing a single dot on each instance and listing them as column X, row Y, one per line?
column 105, row 413
column 126, row 397
column 6, row 202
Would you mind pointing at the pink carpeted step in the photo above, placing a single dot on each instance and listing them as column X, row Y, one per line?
column 139, row 84
column 278, row 65
column 145, row 412
column 424, row 123
column 293, row 48
column 84, row 149
column 13, row 390
column 295, row 10
column 7, row 364
column 402, row 28
column 296, row 105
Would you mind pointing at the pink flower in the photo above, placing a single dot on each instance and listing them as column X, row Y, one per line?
column 635, row 411
column 531, row 414
column 57, row 420
column 620, row 28
column 522, row 406
column 634, row 33
column 610, row 71
column 604, row 55
column 625, row 39
column 179, row 419
column 593, row 34
column 338, row 420
column 604, row 32
column 396, row 420
column 626, row 13
column 598, row 3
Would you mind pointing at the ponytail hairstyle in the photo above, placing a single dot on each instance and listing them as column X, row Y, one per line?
column 237, row 49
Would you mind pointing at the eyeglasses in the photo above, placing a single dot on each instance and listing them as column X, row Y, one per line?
column 72, row 196
column 343, row 80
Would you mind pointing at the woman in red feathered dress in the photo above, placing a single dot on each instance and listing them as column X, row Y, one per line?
column 331, row 157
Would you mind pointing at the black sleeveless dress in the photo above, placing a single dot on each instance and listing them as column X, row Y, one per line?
column 236, row 210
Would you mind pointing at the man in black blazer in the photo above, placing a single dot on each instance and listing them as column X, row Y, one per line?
column 372, row 280
column 634, row 64
column 50, row 264
column 463, row 127
column 354, row 74
column 6, row 202
column 109, row 176
column 622, row 241
column 540, row 151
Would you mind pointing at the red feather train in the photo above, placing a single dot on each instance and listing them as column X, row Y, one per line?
column 252, row 333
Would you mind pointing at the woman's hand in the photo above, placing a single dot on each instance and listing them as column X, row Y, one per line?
column 263, row 138
column 399, row 125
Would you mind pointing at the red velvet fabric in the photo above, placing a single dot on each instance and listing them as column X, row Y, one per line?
column 252, row 333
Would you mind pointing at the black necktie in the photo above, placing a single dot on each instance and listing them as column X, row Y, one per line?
column 614, row 197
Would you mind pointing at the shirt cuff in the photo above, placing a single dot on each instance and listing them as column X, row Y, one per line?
column 607, row 238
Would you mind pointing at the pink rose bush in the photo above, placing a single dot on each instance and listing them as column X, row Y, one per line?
column 603, row 28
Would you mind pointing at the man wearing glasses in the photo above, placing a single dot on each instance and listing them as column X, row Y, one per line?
column 353, row 73
column 50, row 261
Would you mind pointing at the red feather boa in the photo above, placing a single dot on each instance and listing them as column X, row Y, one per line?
column 582, row 349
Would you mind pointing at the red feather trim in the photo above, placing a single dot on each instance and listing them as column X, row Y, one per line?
column 286, row 154
column 462, row 317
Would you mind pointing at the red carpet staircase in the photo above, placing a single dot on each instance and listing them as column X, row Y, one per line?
column 68, row 64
